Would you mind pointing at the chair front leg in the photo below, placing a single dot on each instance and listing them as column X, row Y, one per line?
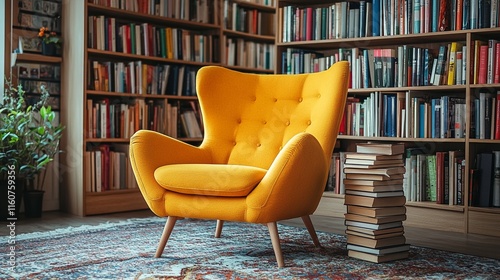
column 218, row 229
column 310, row 227
column 275, row 239
column 169, row 226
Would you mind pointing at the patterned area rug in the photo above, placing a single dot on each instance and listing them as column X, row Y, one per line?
column 125, row 250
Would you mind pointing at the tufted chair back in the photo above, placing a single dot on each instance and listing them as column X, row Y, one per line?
column 249, row 117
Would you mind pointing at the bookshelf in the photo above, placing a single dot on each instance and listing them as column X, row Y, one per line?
column 137, row 67
column 249, row 29
column 392, row 42
column 26, row 65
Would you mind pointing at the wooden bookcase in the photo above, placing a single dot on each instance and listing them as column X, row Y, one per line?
column 24, row 64
column 248, row 29
column 456, row 217
column 91, row 62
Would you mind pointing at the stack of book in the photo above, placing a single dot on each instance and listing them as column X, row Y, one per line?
column 375, row 202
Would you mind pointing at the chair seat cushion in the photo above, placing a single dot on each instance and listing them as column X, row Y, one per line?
column 209, row 179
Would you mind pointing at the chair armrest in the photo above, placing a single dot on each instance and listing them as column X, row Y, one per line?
column 150, row 150
column 294, row 183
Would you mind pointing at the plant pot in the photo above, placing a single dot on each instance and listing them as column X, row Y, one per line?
column 33, row 202
column 49, row 49
column 9, row 210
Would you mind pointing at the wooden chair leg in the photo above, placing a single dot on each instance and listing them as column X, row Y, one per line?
column 309, row 225
column 169, row 226
column 275, row 239
column 218, row 229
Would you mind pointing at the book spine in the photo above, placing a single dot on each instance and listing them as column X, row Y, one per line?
column 497, row 117
column 483, row 64
column 376, row 18
column 496, row 180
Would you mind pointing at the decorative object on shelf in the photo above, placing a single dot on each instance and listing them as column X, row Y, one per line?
column 29, row 139
column 50, row 41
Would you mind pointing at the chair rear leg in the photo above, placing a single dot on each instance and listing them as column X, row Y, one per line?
column 218, row 229
column 309, row 225
column 169, row 226
column 275, row 239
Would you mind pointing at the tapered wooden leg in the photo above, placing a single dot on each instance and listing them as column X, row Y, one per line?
column 169, row 226
column 309, row 225
column 218, row 229
column 275, row 239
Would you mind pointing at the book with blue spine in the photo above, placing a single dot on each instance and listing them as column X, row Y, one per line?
column 376, row 18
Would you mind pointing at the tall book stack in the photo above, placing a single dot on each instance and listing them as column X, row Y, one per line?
column 375, row 202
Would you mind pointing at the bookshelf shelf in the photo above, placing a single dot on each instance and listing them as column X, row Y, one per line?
column 36, row 58
column 427, row 89
column 161, row 20
column 113, row 192
column 131, row 57
column 484, row 141
column 107, row 140
column 380, row 41
column 249, row 36
column 432, row 205
column 134, row 95
column 333, row 194
column 252, row 5
column 485, row 210
column 250, row 69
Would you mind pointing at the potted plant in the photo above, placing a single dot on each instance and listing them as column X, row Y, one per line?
column 50, row 41
column 29, row 141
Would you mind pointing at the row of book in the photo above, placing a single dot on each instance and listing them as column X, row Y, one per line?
column 375, row 202
column 486, row 61
column 138, row 77
column 204, row 11
column 111, row 118
column 248, row 20
column 438, row 177
column 108, row 168
column 404, row 114
column 106, row 33
column 388, row 67
column 38, row 71
column 42, row 7
column 485, row 116
column 35, row 86
column 352, row 19
column 427, row 177
column 240, row 52
column 339, row 20
column 407, row 65
column 484, row 187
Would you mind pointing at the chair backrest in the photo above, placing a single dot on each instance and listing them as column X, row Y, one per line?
column 248, row 118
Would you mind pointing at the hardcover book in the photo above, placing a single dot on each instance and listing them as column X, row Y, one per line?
column 374, row 201
column 378, row 258
column 376, row 211
column 376, row 243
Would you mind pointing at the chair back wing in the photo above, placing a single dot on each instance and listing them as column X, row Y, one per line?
column 249, row 117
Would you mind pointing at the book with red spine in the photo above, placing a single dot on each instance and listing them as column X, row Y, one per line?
column 483, row 64
column 496, row 72
column 497, row 117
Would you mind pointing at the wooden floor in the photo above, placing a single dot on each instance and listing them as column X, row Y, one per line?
column 477, row 245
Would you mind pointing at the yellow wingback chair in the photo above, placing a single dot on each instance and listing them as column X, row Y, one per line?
column 264, row 157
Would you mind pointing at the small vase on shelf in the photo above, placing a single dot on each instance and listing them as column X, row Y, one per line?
column 49, row 49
